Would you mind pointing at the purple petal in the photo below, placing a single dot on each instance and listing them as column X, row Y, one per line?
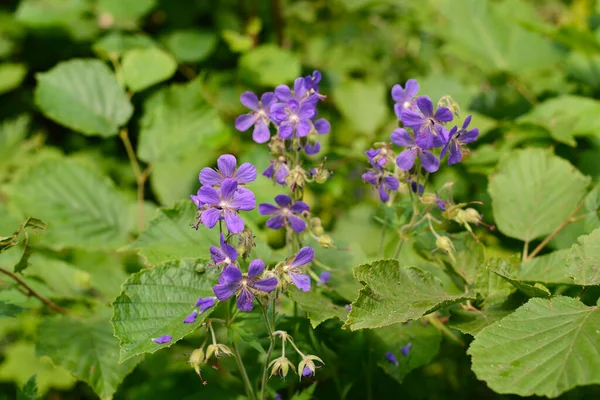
column 227, row 164
column 307, row 371
column 384, row 196
column 398, row 108
column 217, row 255
column 301, row 281
column 275, row 222
column 455, row 153
column 205, row 303
column 261, row 133
column 398, row 93
column 411, row 88
column 429, row 161
column 228, row 188
column 265, row 285
column 391, row 358
column 196, row 201
column 267, row 209
column 228, row 249
column 391, row 182
column 406, row 349
column 162, row 339
column 312, row 149
column 469, row 136
column 245, row 300
column 307, row 110
column 208, row 195
column 281, row 174
column 466, row 122
column 412, row 118
column 303, row 128
column 256, row 268
column 249, row 100
column 267, row 99
column 278, row 113
column 304, row 256
column 370, row 177
column 224, row 291
column 245, row 121
column 245, row 173
column 406, row 159
column 299, row 88
column 244, row 201
column 231, row 275
column 322, row 126
column 191, row 318
column 210, row 177
column 425, row 105
column 283, row 93
column 234, row 222
column 269, row 171
column 324, row 277
column 286, row 130
column 299, row 207
column 283, row 200
column 400, row 137
column 210, row 217
column 297, row 224
column 443, row 115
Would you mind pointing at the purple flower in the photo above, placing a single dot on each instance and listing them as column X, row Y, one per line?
column 441, row 204
column 405, row 97
column 196, row 199
column 232, row 282
column 227, row 163
column 307, row 371
column 224, row 204
column 285, row 94
column 277, row 396
column 162, row 339
column 426, row 125
column 191, row 318
column 391, row 358
column 294, row 117
column 311, row 82
column 226, row 254
column 312, row 149
column 278, row 170
column 383, row 183
column 285, row 214
column 324, row 277
column 379, row 157
column 205, row 303
column 456, row 138
column 406, row 159
column 406, row 349
column 259, row 117
column 292, row 268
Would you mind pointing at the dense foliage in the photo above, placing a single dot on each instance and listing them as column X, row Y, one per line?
column 299, row 199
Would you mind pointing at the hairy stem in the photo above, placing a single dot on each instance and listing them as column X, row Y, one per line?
column 31, row 292
column 140, row 176
column 240, row 364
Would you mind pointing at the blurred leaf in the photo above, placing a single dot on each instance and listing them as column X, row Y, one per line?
column 155, row 302
column 395, row 294
column 545, row 348
column 83, row 95
column 126, row 10
column 170, row 235
column 269, row 65
column 87, row 348
column 306, row 394
column 369, row 98
column 318, row 307
column 65, row 280
column 29, row 390
column 12, row 133
column 584, row 260
column 191, row 45
column 548, row 268
column 117, row 43
column 584, row 68
column 10, row 310
column 143, row 68
column 11, row 76
column 82, row 208
column 237, row 42
column 525, row 204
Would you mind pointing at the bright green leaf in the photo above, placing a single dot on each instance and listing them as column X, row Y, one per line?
column 127, row 10
column 584, row 260
column 155, row 302
column 548, row 269
column 191, row 45
column 473, row 321
column 143, row 68
column 83, row 95
column 504, row 271
column 117, row 43
column 533, row 192
column 546, row 347
column 11, row 76
column 269, row 65
column 318, row 307
column 369, row 97
column 10, row 310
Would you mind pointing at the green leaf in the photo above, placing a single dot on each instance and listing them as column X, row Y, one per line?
column 547, row 269
column 492, row 287
column 536, row 290
column 29, row 391
column 306, row 394
column 584, row 260
column 191, row 45
column 126, row 10
column 318, row 307
column 83, row 95
column 10, row 310
column 155, row 302
column 170, row 235
column 82, row 208
column 269, row 65
column 12, row 133
column 143, row 68
column 473, row 321
column 11, row 76
column 533, row 192
column 369, row 97
column 87, row 348
column 395, row 294
column 546, row 347
column 117, row 43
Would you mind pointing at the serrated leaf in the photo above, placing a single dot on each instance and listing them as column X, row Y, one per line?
column 584, row 260
column 370, row 97
column 473, row 321
column 506, row 270
column 269, row 65
column 395, row 294
column 10, row 310
column 170, row 235
column 84, row 95
column 82, row 208
column 318, row 307
column 191, row 45
column 155, row 302
column 524, row 204
column 548, row 268
column 143, row 68
column 544, row 348
column 87, row 348
column 29, row 391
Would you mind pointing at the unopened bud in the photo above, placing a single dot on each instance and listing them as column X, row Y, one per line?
column 218, row 350
column 245, row 242
column 429, row 199
column 296, row 177
column 444, row 243
column 325, row 241
column 197, row 360
column 472, row 216
column 281, row 366
column 322, row 176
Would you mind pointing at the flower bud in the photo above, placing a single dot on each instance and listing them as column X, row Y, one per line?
column 429, row 199
column 444, row 243
column 322, row 176
column 281, row 366
column 472, row 216
column 245, row 242
column 296, row 177
column 218, row 350
column 196, row 360
column 307, row 367
column 325, row 241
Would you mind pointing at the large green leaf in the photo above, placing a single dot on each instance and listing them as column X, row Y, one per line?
column 170, row 235
column 544, row 348
column 395, row 294
column 143, row 68
column 87, row 348
column 155, row 302
column 318, row 307
column 506, row 269
column 548, row 269
column 191, row 45
column 584, row 260
column 269, row 65
column 83, row 95
column 369, row 97
column 82, row 208
column 533, row 192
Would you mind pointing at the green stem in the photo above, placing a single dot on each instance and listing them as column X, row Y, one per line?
column 399, row 247
column 381, row 241
column 242, row 369
column 265, row 377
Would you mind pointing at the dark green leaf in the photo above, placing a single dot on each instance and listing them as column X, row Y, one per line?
column 29, row 391
column 10, row 310
column 318, row 307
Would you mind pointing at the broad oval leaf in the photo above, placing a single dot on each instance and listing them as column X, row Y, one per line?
column 84, row 95
column 143, row 68
column 544, row 348
column 584, row 260
column 533, row 192
column 155, row 302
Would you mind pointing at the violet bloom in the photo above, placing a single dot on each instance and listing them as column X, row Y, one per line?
column 324, row 277
column 311, row 82
column 285, row 214
column 232, row 282
column 259, row 117
column 307, row 371
column 294, row 117
column 379, row 157
column 191, row 318
column 162, row 339
column 455, row 140
column 278, row 170
column 285, row 94
column 348, row 307
column 312, row 149
column 406, row 349
column 406, row 159
column 225, row 203
column 205, row 303
column 227, row 164
column 382, row 182
column 226, row 254
column 426, row 125
column 391, row 358
column 292, row 268
column 196, row 199
column 405, row 97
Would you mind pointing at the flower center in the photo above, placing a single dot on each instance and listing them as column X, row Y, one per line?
column 294, row 118
column 244, row 282
column 223, row 204
column 285, row 211
column 406, row 105
column 227, row 260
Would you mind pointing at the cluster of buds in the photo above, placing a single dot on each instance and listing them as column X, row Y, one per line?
column 200, row 357
column 317, row 232
column 282, row 365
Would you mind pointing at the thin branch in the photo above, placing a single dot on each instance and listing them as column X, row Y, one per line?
column 31, row 292
column 140, row 176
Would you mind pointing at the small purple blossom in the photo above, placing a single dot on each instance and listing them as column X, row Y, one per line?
column 286, row 214
column 307, row 371
column 225, row 204
column 233, row 282
column 427, row 126
column 391, row 358
column 348, row 307
column 312, row 149
column 294, row 118
column 191, row 318
column 456, row 139
column 205, row 303
column 292, row 268
column 225, row 255
column 277, row 396
column 277, row 170
column 406, row 159
column 441, row 203
column 379, row 157
column 405, row 97
column 259, row 117
column 383, row 182
column 311, row 82
column 227, row 164
column 324, row 277
column 406, row 349
column 162, row 339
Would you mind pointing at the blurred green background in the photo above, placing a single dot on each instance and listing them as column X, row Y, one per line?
column 528, row 71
